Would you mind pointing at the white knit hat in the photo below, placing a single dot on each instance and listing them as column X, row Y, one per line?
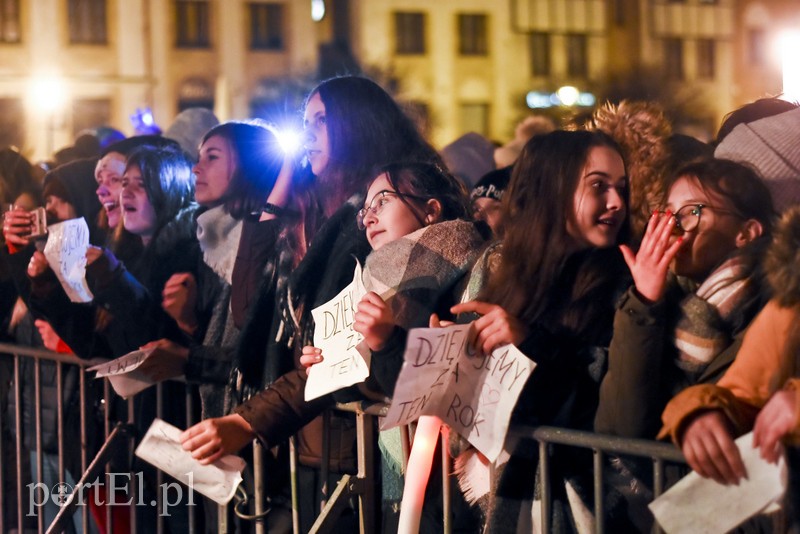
column 771, row 146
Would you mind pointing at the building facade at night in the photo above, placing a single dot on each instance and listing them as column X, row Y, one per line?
column 463, row 65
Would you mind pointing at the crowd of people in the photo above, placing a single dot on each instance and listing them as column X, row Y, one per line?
column 643, row 271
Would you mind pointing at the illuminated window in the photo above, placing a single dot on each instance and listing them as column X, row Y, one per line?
column 192, row 25
column 540, row 54
column 9, row 21
column 472, row 39
column 474, row 117
column 195, row 93
column 577, row 58
column 87, row 22
column 266, row 26
column 409, row 31
column 673, row 58
column 706, row 58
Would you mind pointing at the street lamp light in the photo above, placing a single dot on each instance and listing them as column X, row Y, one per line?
column 48, row 96
column 790, row 44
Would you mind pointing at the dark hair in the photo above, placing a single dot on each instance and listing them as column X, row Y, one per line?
column 753, row 111
column 16, row 176
column 737, row 183
column 537, row 207
column 428, row 181
column 258, row 157
column 128, row 145
column 366, row 128
column 167, row 179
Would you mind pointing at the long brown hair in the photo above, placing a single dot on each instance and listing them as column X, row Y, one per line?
column 537, row 206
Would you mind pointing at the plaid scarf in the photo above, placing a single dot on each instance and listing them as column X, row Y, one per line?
column 705, row 327
column 414, row 272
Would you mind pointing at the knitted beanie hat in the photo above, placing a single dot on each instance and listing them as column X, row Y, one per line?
column 772, row 147
column 492, row 185
column 189, row 128
column 469, row 157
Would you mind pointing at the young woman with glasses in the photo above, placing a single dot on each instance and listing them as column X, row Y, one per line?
column 697, row 285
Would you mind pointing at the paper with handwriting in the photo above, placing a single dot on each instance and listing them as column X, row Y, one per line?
column 65, row 251
column 161, row 447
column 343, row 363
column 140, row 369
column 473, row 393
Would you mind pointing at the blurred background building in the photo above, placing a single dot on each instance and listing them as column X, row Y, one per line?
column 460, row 65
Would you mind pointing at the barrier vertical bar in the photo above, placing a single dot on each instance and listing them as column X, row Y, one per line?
column 189, row 422
column 159, row 475
column 658, row 486
column 599, row 509
column 106, row 433
column 60, row 420
column 134, row 486
column 293, row 483
column 325, row 464
column 366, row 471
column 37, row 403
column 18, row 425
column 544, row 463
column 258, row 491
column 84, row 439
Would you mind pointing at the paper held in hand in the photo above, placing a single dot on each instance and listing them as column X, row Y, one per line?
column 65, row 251
column 343, row 363
column 161, row 447
column 474, row 394
column 685, row 506
column 140, row 369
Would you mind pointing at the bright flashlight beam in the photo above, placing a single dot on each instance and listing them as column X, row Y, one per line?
column 790, row 44
column 289, row 140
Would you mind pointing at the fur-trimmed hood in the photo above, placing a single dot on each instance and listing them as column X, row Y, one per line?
column 782, row 263
column 642, row 131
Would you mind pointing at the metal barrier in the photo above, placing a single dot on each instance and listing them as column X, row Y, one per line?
column 362, row 485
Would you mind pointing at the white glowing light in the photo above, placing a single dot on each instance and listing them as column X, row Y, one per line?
column 568, row 95
column 289, row 140
column 47, row 93
column 317, row 10
column 790, row 44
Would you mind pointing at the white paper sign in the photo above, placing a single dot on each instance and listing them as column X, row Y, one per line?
column 140, row 369
column 473, row 394
column 342, row 363
column 700, row 505
column 161, row 447
column 65, row 251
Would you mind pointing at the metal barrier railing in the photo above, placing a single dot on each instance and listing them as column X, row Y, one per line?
column 601, row 445
column 361, row 486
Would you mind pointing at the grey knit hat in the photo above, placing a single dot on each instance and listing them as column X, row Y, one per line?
column 771, row 146
column 189, row 128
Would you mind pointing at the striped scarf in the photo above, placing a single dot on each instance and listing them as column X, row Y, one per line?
column 704, row 328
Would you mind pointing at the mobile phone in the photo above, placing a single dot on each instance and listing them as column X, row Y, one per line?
column 38, row 224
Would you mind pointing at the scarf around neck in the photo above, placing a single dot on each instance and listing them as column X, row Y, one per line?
column 218, row 234
column 705, row 327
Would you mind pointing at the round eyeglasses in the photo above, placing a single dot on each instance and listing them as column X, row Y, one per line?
column 687, row 218
column 381, row 199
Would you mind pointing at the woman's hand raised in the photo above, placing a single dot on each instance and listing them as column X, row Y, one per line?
column 650, row 264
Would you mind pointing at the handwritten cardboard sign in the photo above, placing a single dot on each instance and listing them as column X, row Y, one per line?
column 343, row 363
column 474, row 394
column 65, row 251
column 140, row 369
column 161, row 446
